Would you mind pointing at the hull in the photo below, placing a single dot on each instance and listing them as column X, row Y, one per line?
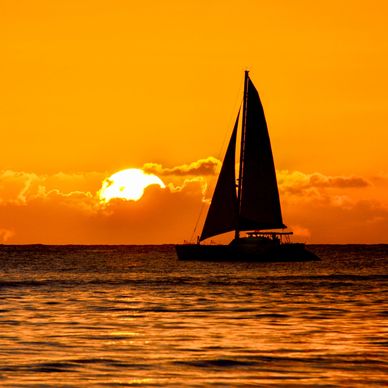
column 287, row 252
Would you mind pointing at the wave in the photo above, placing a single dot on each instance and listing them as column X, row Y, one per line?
column 318, row 281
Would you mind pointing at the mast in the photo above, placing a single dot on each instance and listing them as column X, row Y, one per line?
column 242, row 150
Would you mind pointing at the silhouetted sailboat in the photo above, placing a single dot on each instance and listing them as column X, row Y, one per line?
column 252, row 205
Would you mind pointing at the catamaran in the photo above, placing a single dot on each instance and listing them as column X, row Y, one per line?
column 250, row 203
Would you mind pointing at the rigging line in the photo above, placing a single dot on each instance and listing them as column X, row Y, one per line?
column 236, row 107
column 220, row 153
column 199, row 216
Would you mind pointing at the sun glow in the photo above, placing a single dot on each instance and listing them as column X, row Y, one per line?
column 127, row 184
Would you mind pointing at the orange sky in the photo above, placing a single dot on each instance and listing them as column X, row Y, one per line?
column 92, row 87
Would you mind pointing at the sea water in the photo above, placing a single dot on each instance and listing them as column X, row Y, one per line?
column 73, row 316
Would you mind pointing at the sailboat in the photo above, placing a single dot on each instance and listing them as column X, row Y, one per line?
column 249, row 204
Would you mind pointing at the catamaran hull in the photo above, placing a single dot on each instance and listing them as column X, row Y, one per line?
column 288, row 252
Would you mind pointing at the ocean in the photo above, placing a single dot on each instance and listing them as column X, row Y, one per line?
column 106, row 316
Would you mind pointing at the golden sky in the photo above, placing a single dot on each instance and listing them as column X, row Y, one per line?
column 91, row 87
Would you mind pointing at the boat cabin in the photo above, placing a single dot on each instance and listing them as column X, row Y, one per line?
column 281, row 237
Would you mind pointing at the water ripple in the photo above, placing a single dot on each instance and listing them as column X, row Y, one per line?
column 124, row 316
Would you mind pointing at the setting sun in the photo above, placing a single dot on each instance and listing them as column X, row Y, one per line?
column 127, row 184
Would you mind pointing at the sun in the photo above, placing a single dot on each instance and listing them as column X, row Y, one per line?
column 127, row 184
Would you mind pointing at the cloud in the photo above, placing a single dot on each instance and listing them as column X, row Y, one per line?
column 64, row 208
column 297, row 187
column 333, row 209
column 6, row 234
column 19, row 187
column 298, row 181
column 201, row 167
column 320, row 180
column 300, row 231
column 16, row 186
column 363, row 221
column 190, row 183
column 161, row 216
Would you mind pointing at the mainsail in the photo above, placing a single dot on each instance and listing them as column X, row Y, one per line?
column 256, row 204
column 259, row 206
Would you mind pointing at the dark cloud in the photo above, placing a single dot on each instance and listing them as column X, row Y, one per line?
column 320, row 180
column 208, row 166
